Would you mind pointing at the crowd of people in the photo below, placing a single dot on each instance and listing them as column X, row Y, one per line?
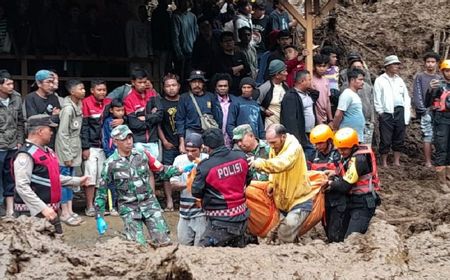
column 249, row 114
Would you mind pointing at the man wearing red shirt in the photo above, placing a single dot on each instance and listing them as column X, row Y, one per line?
column 91, row 130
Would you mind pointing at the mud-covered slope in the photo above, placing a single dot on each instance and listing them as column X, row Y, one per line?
column 402, row 27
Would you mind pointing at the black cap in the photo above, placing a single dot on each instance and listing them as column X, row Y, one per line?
column 193, row 140
column 352, row 57
column 247, row 81
column 197, row 75
column 283, row 33
column 259, row 5
column 213, row 138
column 41, row 120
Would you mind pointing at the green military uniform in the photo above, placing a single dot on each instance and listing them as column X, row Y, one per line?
column 261, row 151
column 137, row 202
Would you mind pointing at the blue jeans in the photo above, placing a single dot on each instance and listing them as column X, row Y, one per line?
column 6, row 178
column 66, row 192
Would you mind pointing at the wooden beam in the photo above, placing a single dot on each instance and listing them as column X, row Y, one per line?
column 324, row 11
column 328, row 7
column 63, row 78
column 309, row 32
column 294, row 12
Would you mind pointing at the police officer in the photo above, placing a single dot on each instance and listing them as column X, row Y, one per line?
column 220, row 183
column 129, row 169
column 358, row 178
column 36, row 170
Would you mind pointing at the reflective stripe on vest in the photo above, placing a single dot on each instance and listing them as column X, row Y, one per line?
column 45, row 181
column 367, row 183
column 321, row 166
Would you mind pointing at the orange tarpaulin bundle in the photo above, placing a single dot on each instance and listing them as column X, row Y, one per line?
column 263, row 212
column 264, row 215
column 316, row 179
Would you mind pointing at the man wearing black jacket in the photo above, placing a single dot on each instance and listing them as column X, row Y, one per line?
column 91, row 142
column 230, row 61
column 187, row 117
column 220, row 183
column 297, row 111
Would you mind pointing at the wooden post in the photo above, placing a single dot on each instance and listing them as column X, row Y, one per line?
column 309, row 21
column 309, row 31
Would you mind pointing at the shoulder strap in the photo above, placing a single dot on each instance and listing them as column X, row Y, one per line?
column 196, row 105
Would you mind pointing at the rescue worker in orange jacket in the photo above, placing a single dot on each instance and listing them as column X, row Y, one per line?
column 358, row 178
column 327, row 159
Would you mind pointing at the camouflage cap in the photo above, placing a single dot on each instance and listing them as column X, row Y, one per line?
column 240, row 131
column 120, row 132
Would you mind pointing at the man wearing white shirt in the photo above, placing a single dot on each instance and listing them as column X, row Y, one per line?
column 393, row 105
column 192, row 223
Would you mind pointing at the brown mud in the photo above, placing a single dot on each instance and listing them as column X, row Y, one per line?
column 406, row 28
column 408, row 239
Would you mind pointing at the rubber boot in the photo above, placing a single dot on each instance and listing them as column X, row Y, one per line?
column 441, row 172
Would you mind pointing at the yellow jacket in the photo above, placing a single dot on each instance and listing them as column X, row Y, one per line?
column 287, row 174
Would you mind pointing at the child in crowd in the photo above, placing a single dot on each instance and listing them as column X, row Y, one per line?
column 321, row 84
column 68, row 145
column 294, row 63
column 112, row 118
column 332, row 75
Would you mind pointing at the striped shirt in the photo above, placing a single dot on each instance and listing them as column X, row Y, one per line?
column 188, row 207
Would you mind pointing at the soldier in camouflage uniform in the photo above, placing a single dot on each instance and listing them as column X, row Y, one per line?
column 252, row 147
column 129, row 169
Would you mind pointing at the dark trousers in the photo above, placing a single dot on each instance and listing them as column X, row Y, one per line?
column 360, row 211
column 6, row 178
column 335, row 217
column 183, row 68
column 392, row 131
column 441, row 139
column 223, row 234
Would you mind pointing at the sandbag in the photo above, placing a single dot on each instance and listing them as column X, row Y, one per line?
column 263, row 212
column 317, row 179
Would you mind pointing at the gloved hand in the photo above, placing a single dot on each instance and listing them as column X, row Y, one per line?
column 102, row 226
column 170, row 172
column 189, row 167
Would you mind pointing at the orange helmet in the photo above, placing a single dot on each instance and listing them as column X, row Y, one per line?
column 321, row 133
column 445, row 64
column 345, row 138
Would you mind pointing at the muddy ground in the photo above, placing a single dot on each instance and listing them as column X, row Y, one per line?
column 408, row 239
